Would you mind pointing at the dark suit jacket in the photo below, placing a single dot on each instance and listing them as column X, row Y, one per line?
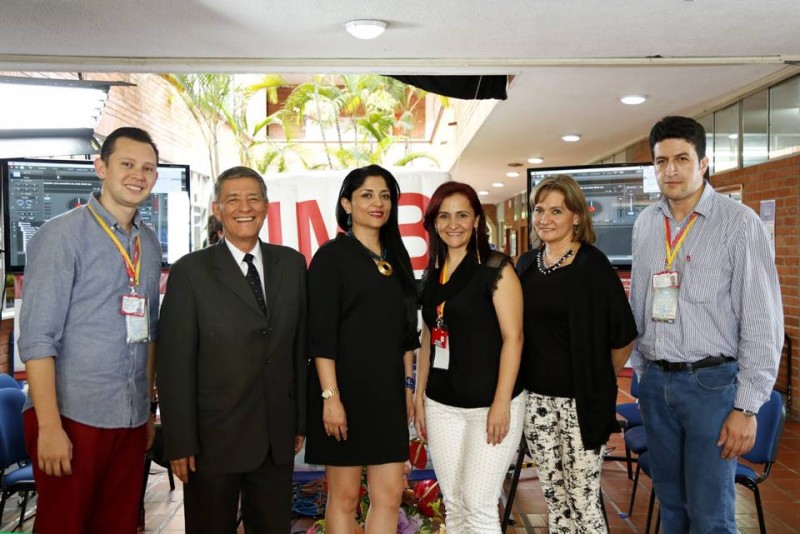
column 231, row 380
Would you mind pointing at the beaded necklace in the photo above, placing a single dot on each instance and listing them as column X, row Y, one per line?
column 545, row 269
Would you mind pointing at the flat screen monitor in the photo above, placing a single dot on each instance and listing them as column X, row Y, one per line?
column 615, row 195
column 35, row 191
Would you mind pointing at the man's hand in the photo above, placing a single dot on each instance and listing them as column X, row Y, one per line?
column 738, row 434
column 298, row 443
column 182, row 466
column 54, row 450
column 151, row 431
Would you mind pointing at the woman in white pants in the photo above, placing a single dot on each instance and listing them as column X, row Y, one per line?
column 468, row 402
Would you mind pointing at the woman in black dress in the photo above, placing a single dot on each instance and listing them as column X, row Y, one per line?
column 362, row 331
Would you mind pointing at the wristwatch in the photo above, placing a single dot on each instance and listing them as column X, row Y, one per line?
column 328, row 393
column 748, row 413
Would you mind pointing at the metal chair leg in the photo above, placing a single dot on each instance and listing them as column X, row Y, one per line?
column 512, row 491
column 759, row 510
column 633, row 491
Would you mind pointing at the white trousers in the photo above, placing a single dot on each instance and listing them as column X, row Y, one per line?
column 470, row 471
column 569, row 474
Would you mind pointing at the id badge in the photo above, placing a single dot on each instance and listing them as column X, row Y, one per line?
column 665, row 296
column 138, row 326
column 133, row 304
column 441, row 345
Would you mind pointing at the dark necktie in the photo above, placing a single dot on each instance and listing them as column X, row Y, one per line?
column 255, row 282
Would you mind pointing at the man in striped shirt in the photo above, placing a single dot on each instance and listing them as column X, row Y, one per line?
column 707, row 303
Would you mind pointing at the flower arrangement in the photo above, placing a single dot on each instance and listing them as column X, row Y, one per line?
column 421, row 510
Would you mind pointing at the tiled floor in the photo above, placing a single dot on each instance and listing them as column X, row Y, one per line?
column 780, row 494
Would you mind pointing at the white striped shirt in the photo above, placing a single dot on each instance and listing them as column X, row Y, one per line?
column 729, row 301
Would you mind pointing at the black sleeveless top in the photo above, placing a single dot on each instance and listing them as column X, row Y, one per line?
column 473, row 329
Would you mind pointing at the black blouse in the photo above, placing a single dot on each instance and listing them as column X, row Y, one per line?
column 600, row 319
column 547, row 366
column 474, row 333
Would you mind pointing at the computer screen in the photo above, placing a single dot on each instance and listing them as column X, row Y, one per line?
column 35, row 191
column 615, row 195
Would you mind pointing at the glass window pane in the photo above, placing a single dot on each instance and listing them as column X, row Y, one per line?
column 784, row 118
column 708, row 123
column 755, row 121
column 726, row 138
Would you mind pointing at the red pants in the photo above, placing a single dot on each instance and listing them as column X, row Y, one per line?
column 102, row 494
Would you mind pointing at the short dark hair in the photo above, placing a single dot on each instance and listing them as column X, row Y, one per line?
column 437, row 249
column 675, row 127
column 239, row 172
column 128, row 132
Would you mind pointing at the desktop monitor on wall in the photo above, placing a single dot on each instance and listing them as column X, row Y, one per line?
column 615, row 195
column 35, row 191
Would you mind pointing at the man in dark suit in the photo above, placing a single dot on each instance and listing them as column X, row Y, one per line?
column 232, row 366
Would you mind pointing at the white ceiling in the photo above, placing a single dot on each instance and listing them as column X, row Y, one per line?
column 572, row 59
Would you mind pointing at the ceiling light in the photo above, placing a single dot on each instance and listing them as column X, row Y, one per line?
column 571, row 138
column 498, row 184
column 733, row 136
column 536, row 161
column 633, row 100
column 483, row 193
column 512, row 174
column 365, row 28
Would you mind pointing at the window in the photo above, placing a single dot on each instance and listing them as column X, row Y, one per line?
column 784, row 118
column 755, row 123
column 726, row 138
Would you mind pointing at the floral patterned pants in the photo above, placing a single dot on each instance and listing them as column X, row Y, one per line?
column 568, row 474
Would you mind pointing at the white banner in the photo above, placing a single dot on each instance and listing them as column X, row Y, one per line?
column 302, row 209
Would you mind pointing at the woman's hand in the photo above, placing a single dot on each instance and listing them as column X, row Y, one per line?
column 419, row 417
column 409, row 406
column 334, row 419
column 497, row 422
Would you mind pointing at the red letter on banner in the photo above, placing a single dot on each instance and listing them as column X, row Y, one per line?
column 308, row 217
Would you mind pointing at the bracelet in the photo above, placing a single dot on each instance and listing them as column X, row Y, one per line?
column 748, row 413
column 411, row 383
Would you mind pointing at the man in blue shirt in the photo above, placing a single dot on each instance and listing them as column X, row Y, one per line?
column 707, row 303
column 87, row 331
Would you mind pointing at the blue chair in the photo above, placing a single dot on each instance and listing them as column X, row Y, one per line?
column 770, row 417
column 12, row 451
column 644, row 466
column 636, row 441
column 7, row 381
column 632, row 418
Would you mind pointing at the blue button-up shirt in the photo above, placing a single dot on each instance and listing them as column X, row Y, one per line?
column 729, row 301
column 75, row 278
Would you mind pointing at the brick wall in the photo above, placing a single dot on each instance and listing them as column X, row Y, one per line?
column 778, row 180
column 6, row 328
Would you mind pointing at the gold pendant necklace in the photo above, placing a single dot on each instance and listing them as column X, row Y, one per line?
column 384, row 267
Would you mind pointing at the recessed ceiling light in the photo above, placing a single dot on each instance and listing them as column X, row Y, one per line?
column 633, row 100
column 498, row 184
column 536, row 161
column 483, row 193
column 366, row 28
column 571, row 138
column 512, row 174
column 733, row 136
